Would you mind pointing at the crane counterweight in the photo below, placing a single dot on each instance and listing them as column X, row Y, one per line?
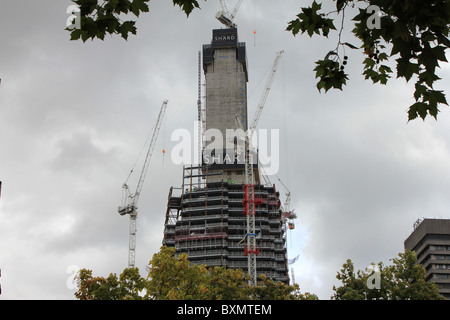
column 226, row 17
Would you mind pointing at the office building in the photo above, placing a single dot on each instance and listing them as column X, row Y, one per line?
column 431, row 242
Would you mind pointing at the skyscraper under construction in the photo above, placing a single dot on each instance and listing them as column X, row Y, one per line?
column 205, row 217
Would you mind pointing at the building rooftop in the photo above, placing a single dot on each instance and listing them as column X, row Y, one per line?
column 425, row 227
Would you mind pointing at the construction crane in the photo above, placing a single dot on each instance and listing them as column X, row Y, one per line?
column 250, row 202
column 262, row 102
column 288, row 215
column 130, row 201
column 263, row 99
column 226, row 17
column 291, row 262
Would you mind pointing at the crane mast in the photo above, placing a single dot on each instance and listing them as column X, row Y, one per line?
column 130, row 201
column 250, row 201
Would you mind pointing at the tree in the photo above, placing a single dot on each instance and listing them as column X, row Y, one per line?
column 415, row 31
column 404, row 280
column 129, row 286
column 227, row 284
column 268, row 289
column 173, row 278
column 177, row 278
column 409, row 280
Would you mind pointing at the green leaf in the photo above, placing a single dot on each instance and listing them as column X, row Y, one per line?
column 442, row 39
column 316, row 6
column 111, row 5
column 406, row 69
column 340, row 4
column 127, row 27
column 187, row 5
column 350, row 45
column 84, row 35
column 330, row 53
column 428, row 78
column 418, row 108
column 420, row 91
column 437, row 96
column 385, row 69
column 87, row 6
column 75, row 34
column 439, row 53
column 369, row 63
column 321, row 85
column 123, row 6
column 311, row 22
column 320, row 71
column 294, row 26
column 329, row 74
column 139, row 5
column 382, row 56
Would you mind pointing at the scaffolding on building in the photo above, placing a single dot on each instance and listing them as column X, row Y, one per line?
column 205, row 219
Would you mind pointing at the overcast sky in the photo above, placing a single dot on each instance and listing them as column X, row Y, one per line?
column 75, row 116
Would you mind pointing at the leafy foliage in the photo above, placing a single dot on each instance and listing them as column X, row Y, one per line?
column 310, row 21
column 416, row 30
column 173, row 278
column 330, row 74
column 97, row 20
column 409, row 280
column 187, row 5
column 404, row 280
column 127, row 287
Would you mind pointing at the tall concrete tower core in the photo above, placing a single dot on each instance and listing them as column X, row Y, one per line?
column 225, row 67
column 226, row 77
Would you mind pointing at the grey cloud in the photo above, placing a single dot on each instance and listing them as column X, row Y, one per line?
column 74, row 117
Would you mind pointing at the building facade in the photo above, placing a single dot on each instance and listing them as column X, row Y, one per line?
column 205, row 216
column 431, row 242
